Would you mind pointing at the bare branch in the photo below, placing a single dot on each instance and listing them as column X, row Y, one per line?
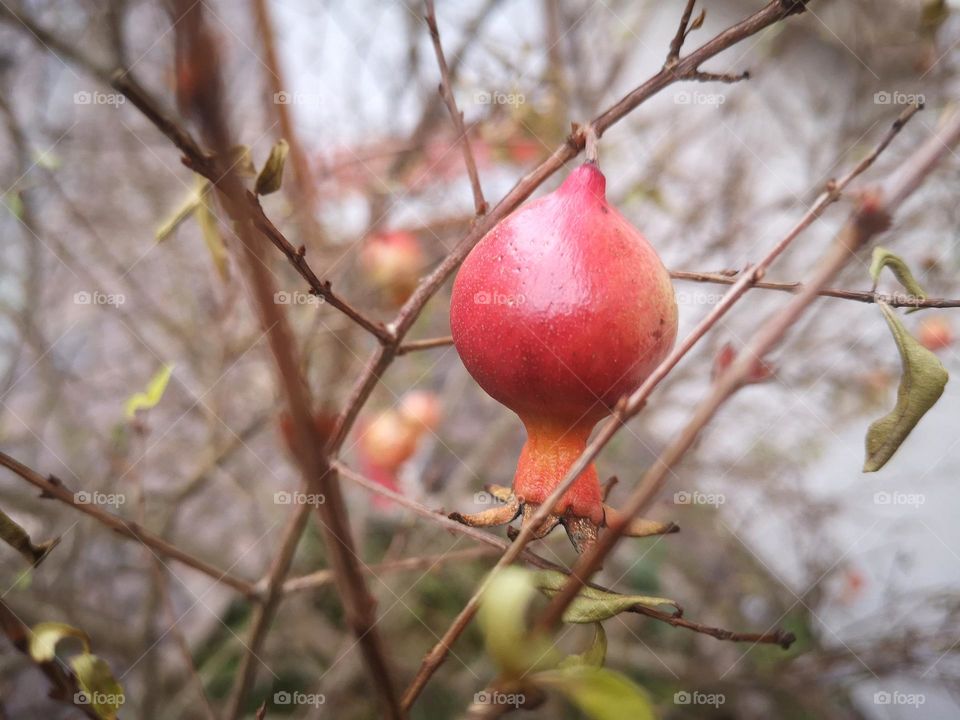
column 53, row 488
column 480, row 205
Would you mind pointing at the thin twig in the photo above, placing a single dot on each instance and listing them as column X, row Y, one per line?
column 480, row 205
column 677, row 43
column 54, row 488
column 415, row 345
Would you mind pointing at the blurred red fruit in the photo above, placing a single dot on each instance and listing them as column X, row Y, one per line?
column 935, row 333
column 392, row 261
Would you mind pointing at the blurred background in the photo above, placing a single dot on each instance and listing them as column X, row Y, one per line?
column 114, row 265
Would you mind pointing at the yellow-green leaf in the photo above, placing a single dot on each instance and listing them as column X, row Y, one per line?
column 45, row 636
column 18, row 538
column 271, row 177
column 884, row 258
column 151, row 396
column 595, row 655
column 14, row 203
column 503, row 618
column 98, row 687
column 592, row 605
column 177, row 218
column 210, row 229
column 600, row 693
column 922, row 380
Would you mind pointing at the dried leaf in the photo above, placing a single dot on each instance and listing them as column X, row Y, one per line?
column 271, row 177
column 45, row 636
column 18, row 538
column 884, row 258
column 151, row 396
column 921, row 384
column 600, row 693
column 592, row 605
column 98, row 687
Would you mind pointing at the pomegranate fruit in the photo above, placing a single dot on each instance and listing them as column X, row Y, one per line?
column 558, row 312
column 935, row 333
column 393, row 262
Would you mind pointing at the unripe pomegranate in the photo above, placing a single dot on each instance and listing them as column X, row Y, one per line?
column 935, row 333
column 560, row 311
column 393, row 262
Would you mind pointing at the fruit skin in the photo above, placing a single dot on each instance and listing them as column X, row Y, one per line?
column 562, row 309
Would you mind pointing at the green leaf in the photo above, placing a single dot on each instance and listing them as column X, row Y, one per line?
column 592, row 605
column 595, row 655
column 600, row 693
column 210, row 229
column 45, row 636
column 100, row 689
column 271, row 177
column 17, row 538
column 151, row 396
column 503, row 619
column 921, row 384
column 884, row 258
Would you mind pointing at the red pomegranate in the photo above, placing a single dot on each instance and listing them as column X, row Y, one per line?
column 393, row 261
column 561, row 310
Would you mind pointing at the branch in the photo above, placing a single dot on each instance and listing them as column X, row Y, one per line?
column 216, row 172
column 871, row 217
column 53, row 488
column 205, row 102
column 480, row 205
column 775, row 637
column 631, row 406
column 729, row 277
